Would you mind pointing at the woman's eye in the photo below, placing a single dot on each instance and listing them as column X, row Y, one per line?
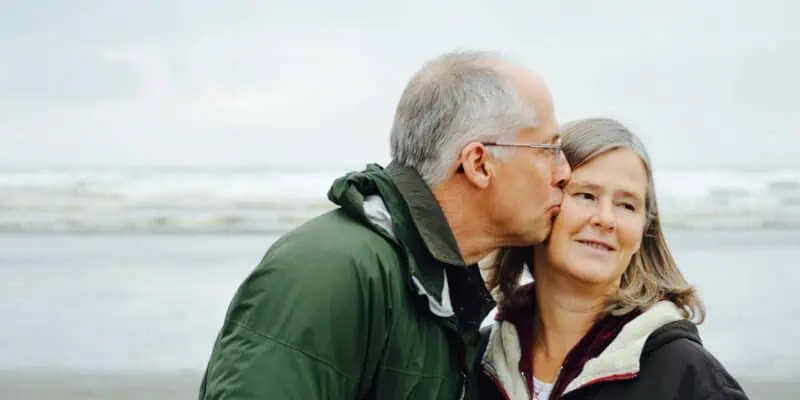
column 584, row 196
column 628, row 206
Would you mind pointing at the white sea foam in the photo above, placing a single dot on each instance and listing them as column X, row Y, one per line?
column 51, row 200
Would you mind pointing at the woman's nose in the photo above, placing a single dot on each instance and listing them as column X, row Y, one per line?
column 604, row 217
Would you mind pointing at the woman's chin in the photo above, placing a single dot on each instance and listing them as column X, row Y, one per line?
column 592, row 277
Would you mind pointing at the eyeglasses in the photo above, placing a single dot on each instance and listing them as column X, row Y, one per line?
column 555, row 149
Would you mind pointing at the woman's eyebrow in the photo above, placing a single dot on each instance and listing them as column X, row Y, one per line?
column 599, row 188
column 584, row 185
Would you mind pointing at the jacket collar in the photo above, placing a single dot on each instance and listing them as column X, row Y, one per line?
column 426, row 214
column 616, row 360
column 620, row 359
column 454, row 290
column 398, row 204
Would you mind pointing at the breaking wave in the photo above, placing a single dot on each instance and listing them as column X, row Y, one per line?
column 205, row 200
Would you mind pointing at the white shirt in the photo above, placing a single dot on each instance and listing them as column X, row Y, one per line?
column 541, row 390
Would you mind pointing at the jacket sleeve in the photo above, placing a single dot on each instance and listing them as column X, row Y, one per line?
column 707, row 377
column 301, row 327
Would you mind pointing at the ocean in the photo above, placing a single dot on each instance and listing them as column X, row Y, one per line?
column 132, row 270
column 154, row 302
column 271, row 201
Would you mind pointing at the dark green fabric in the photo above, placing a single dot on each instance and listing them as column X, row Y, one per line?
column 332, row 312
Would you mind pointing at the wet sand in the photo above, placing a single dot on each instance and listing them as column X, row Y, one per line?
column 35, row 385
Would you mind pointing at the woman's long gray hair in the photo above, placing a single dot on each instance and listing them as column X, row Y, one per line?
column 652, row 274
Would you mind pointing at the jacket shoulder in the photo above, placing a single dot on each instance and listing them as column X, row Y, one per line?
column 340, row 230
column 328, row 261
column 695, row 372
column 329, row 244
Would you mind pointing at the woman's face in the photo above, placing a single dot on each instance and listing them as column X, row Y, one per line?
column 602, row 220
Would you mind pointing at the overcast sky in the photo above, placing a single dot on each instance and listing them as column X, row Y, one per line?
column 201, row 82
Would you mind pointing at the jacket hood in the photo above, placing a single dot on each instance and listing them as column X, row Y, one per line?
column 350, row 190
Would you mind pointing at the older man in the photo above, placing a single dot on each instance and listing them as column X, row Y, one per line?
column 381, row 298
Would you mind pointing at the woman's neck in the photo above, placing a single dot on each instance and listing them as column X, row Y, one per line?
column 564, row 315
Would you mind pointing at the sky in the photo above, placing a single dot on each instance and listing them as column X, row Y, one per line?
column 314, row 83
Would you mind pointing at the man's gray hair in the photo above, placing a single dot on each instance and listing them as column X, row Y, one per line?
column 455, row 99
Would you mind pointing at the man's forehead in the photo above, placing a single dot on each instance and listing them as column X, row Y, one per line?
column 548, row 132
column 534, row 135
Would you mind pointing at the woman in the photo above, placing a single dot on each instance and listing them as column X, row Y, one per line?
column 608, row 314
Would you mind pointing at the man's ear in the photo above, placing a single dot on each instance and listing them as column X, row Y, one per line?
column 476, row 164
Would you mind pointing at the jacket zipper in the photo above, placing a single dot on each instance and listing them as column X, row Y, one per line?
column 463, row 385
column 527, row 386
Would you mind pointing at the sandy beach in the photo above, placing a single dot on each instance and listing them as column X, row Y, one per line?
column 46, row 384
column 35, row 385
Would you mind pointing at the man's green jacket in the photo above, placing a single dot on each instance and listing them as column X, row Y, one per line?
column 371, row 300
